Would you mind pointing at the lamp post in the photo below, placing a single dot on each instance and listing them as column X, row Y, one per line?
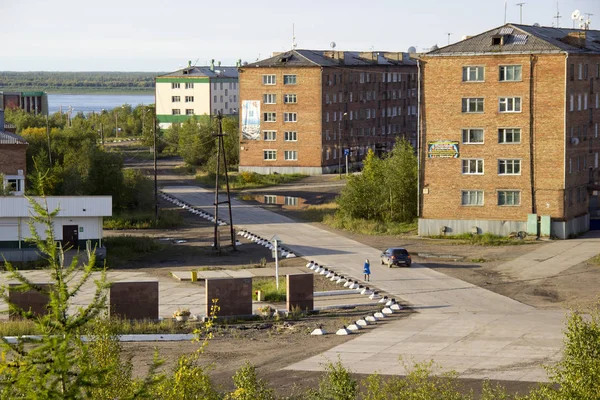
column 340, row 146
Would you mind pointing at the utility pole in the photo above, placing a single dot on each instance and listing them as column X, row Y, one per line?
column 521, row 12
column 221, row 148
column 116, row 123
column 155, row 173
column 340, row 146
column 48, row 136
column 449, row 33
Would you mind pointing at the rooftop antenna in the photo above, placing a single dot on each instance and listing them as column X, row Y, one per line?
column 521, row 12
column 505, row 3
column 557, row 16
column 449, row 33
column 575, row 15
column 294, row 44
column 332, row 45
column 588, row 20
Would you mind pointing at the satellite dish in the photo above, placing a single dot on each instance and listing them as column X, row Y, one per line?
column 412, row 49
column 536, row 24
column 576, row 14
column 332, row 45
column 582, row 25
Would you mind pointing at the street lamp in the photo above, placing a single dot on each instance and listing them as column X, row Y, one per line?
column 340, row 145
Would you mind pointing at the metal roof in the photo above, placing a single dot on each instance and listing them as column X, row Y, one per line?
column 333, row 58
column 11, row 138
column 204, row 71
column 69, row 206
column 525, row 39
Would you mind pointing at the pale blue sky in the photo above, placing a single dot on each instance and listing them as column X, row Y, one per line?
column 161, row 35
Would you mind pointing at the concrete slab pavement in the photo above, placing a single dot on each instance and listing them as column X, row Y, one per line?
column 462, row 326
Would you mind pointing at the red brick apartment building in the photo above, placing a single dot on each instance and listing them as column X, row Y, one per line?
column 510, row 133
column 13, row 160
column 302, row 108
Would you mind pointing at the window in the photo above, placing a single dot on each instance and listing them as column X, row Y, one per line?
column 472, row 105
column 189, row 85
column 269, row 155
column 472, row 198
column 509, row 104
column 472, row 166
column 270, row 199
column 509, row 135
column 221, row 85
column 289, row 79
column 269, row 98
column 509, row 167
column 290, row 201
column 289, row 98
column 509, row 198
column 585, row 71
column 510, row 73
column 174, row 85
column 571, row 103
column 269, row 117
column 189, row 99
column 290, row 155
column 215, row 98
column 14, row 185
column 289, row 117
column 472, row 135
column 175, row 99
column 269, row 136
column 189, row 111
column 580, row 71
column 176, row 111
column 290, row 136
column 472, row 74
column 269, row 79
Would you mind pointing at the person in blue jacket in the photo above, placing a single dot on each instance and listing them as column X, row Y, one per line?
column 367, row 270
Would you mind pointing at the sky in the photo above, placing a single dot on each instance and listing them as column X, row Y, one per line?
column 162, row 35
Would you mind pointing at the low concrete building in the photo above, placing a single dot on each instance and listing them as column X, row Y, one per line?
column 33, row 102
column 13, row 149
column 78, row 221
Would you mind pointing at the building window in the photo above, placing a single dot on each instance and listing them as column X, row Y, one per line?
column 290, row 201
column 510, row 73
column 269, row 155
column 472, row 166
column 269, row 98
column 509, row 198
column 289, row 79
column 290, row 117
column 270, row 199
column 269, row 117
column 220, row 99
column 270, row 136
column 509, row 135
column 509, row 104
column 14, row 185
column 509, row 167
column 290, row 155
column 291, row 136
column 174, row 85
column 176, row 111
column 269, row 79
column 189, row 111
column 472, row 198
column 472, row 74
column 571, row 103
column 189, row 99
column 214, row 98
column 472, row 105
column 289, row 98
column 580, row 71
column 175, row 99
column 189, row 85
column 472, row 135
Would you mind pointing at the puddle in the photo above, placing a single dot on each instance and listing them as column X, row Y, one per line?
column 286, row 202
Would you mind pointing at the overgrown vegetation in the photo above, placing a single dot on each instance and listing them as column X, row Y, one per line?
column 269, row 288
column 486, row 239
column 369, row 227
column 167, row 219
column 247, row 180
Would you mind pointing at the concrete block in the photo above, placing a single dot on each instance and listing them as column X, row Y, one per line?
column 300, row 290
column 134, row 300
column 31, row 300
column 233, row 295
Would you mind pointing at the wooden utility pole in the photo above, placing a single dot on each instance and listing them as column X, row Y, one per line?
column 155, row 178
column 221, row 149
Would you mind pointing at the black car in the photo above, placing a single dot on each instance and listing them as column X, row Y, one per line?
column 395, row 256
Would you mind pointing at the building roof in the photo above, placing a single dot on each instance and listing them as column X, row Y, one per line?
column 333, row 58
column 214, row 71
column 11, row 138
column 69, row 206
column 517, row 38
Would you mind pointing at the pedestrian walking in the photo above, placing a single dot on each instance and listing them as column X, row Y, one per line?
column 367, row 270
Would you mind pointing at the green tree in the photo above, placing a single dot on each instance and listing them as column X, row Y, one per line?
column 197, row 142
column 249, row 386
column 336, row 384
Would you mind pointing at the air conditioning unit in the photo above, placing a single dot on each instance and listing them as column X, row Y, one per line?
column 574, row 140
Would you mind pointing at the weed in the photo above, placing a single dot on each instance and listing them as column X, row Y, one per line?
column 487, row 239
column 369, row 227
column 248, row 180
column 478, row 260
column 268, row 287
column 144, row 220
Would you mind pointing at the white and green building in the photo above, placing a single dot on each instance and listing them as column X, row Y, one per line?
column 200, row 91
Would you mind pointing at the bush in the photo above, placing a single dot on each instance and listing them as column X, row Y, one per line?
column 167, row 219
column 268, row 287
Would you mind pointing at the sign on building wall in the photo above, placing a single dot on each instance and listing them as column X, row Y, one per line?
column 442, row 149
column 251, row 119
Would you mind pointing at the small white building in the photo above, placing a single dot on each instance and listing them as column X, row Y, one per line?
column 202, row 91
column 78, row 221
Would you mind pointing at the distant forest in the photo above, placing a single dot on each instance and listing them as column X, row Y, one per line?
column 73, row 82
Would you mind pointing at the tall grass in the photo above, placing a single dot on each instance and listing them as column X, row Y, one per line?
column 369, row 227
column 167, row 219
column 486, row 239
column 248, row 180
column 268, row 286
column 130, row 247
column 318, row 213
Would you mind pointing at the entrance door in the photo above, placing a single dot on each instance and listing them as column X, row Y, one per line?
column 70, row 236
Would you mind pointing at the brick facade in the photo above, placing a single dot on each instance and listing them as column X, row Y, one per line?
column 13, row 158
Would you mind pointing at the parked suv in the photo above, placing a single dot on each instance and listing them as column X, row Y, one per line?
column 395, row 256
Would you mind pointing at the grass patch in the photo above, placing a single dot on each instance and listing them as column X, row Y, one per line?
column 248, row 180
column 167, row 219
column 487, row 239
column 121, row 249
column 318, row 213
column 369, row 227
column 268, row 287
column 595, row 260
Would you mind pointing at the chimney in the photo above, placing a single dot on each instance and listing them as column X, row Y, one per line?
column 189, row 63
column 576, row 39
column 1, row 120
column 238, row 63
column 212, row 65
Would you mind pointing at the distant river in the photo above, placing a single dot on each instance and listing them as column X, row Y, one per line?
column 87, row 103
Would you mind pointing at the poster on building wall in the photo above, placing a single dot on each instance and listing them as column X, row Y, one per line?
column 442, row 149
column 251, row 119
